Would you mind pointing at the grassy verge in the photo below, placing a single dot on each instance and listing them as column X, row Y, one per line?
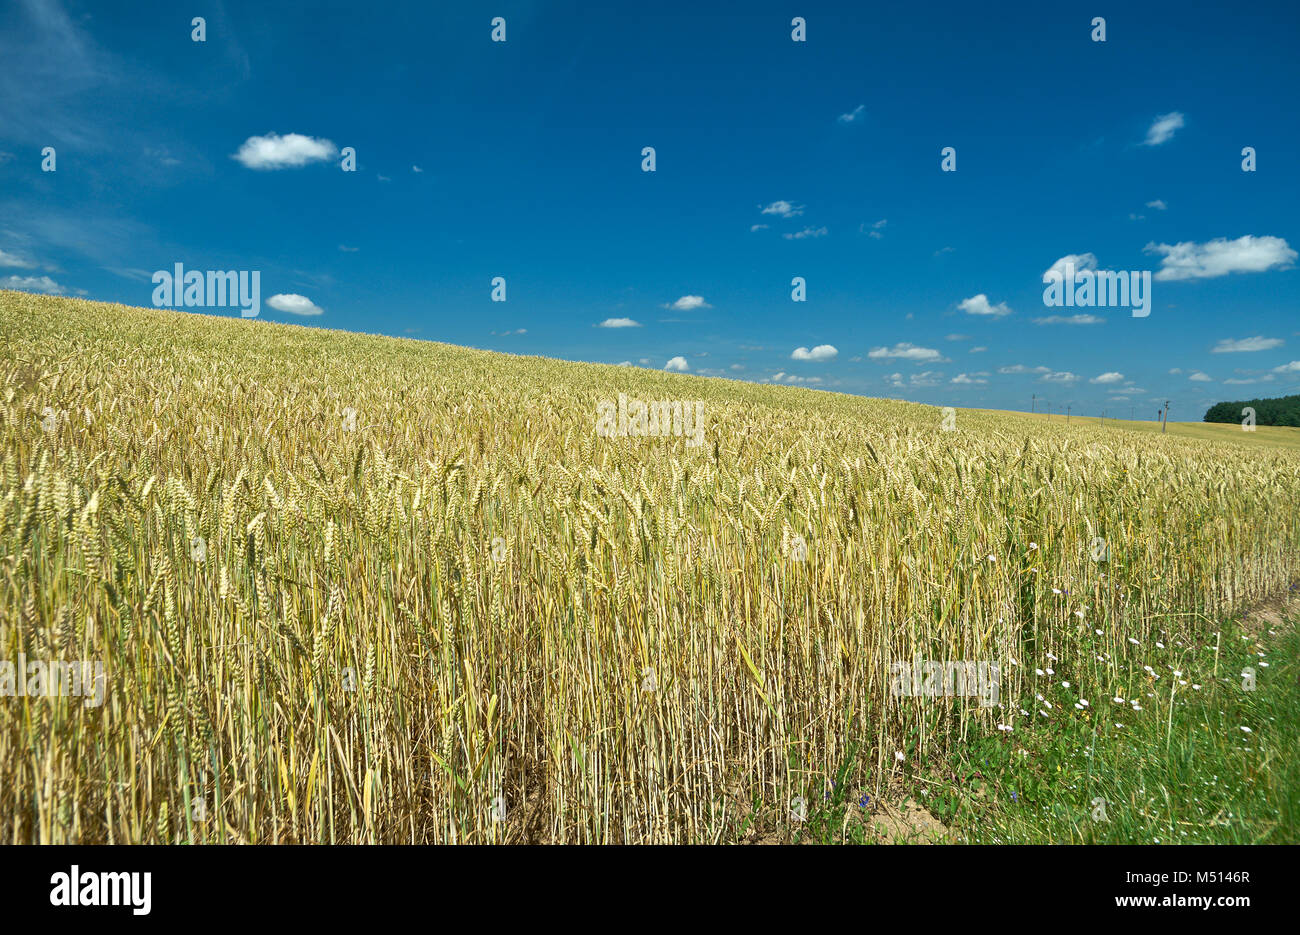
column 1181, row 770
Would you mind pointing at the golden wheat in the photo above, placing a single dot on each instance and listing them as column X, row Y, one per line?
column 460, row 615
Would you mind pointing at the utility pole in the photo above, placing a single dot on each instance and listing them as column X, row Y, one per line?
column 1165, row 424
column 1067, row 415
column 1033, row 401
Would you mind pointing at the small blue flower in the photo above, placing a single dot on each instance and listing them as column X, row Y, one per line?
column 862, row 802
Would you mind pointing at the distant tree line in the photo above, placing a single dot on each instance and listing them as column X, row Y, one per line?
column 1282, row 411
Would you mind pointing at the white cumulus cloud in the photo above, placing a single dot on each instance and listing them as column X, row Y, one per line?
column 907, row 351
column 294, row 304
column 820, row 352
column 291, row 151
column 43, row 284
column 678, row 364
column 1082, row 262
column 1219, row 257
column 980, row 305
column 619, row 323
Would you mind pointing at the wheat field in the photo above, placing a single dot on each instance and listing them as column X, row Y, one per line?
column 358, row 589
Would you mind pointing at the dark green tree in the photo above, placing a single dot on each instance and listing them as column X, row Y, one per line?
column 1284, row 410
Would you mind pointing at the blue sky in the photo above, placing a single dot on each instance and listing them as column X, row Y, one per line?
column 927, row 285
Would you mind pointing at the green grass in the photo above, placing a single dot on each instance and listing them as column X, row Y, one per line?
column 1180, row 772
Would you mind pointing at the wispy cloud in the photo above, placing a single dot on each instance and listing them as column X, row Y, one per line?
column 807, row 232
column 1069, row 320
column 876, row 228
column 138, row 275
column 14, row 261
column 852, row 115
column 619, row 323
column 925, row 378
column 783, row 209
column 1162, row 129
column 51, row 64
column 1021, row 368
column 1059, row 376
column 1245, row 345
column 784, row 377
